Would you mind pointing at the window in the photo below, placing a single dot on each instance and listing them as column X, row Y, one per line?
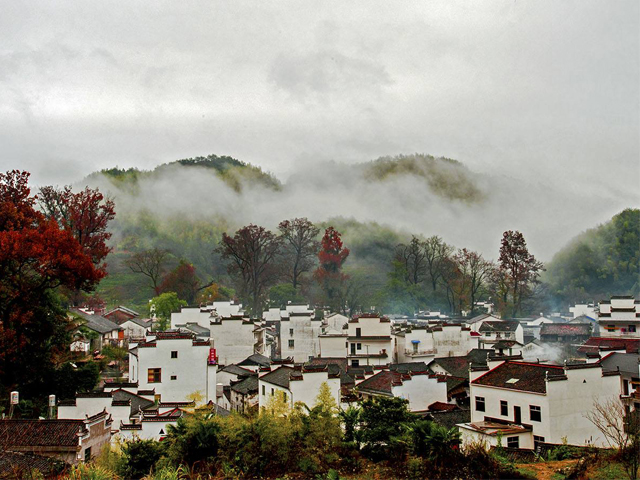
column 154, row 375
column 480, row 404
column 415, row 348
column 355, row 363
column 513, row 442
column 632, row 328
column 291, row 332
column 358, row 332
column 537, row 439
column 610, row 328
column 504, row 408
column 174, row 354
column 272, row 391
column 284, row 396
column 263, row 390
column 359, row 346
column 174, row 377
column 535, row 413
column 87, row 454
column 290, row 343
column 488, row 334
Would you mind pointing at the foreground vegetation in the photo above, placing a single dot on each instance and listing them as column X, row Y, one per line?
column 378, row 439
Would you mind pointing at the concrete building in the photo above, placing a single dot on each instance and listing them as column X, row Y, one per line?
column 619, row 317
column 531, row 402
column 175, row 364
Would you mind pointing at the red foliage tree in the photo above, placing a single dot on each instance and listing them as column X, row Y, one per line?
column 85, row 214
column 182, row 280
column 329, row 274
column 36, row 258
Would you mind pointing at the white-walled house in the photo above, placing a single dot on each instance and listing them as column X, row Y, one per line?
column 619, row 317
column 492, row 331
column 175, row 364
column 369, row 339
column 299, row 333
column 420, row 389
column 549, row 402
column 586, row 309
column 297, row 384
column 423, row 343
column 333, row 343
column 136, row 327
column 236, row 337
column 335, row 321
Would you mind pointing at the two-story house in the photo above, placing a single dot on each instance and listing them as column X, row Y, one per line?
column 369, row 340
column 493, row 331
column 297, row 384
column 175, row 364
column 619, row 317
column 526, row 403
column 299, row 333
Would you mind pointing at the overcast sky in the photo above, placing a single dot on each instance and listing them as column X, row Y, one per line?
column 541, row 90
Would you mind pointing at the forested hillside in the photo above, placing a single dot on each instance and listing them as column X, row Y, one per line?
column 600, row 262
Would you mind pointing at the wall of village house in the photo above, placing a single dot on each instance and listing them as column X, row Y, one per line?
column 233, row 340
column 399, row 345
column 421, row 391
column 370, row 326
column 84, row 407
column 336, row 322
column 133, row 330
column 333, row 346
column 150, row 431
column 307, row 390
column 570, row 401
column 470, row 437
column 99, row 437
column 304, row 391
column 514, row 398
column 241, row 403
column 190, row 369
column 191, row 315
column 304, row 332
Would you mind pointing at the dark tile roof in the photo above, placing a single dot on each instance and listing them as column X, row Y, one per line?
column 19, row 465
column 631, row 345
column 624, row 362
column 499, row 326
column 573, row 329
column 442, row 407
column 522, row 376
column 98, row 323
column 40, row 433
column 506, row 344
column 459, row 366
column 409, row 367
column 381, row 382
column 237, row 370
column 246, row 386
column 257, row 360
column 450, row 419
column 280, row 376
column 137, row 402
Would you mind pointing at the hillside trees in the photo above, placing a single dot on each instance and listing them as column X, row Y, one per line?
column 252, row 254
column 182, row 280
column 300, row 246
column 37, row 257
column 162, row 306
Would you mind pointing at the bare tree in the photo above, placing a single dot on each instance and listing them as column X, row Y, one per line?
column 412, row 256
column 621, row 429
column 300, row 247
column 252, row 252
column 149, row 263
column 437, row 254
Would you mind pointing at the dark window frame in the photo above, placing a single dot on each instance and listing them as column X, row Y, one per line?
column 535, row 413
column 480, row 402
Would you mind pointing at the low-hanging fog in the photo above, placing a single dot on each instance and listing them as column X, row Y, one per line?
column 547, row 215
